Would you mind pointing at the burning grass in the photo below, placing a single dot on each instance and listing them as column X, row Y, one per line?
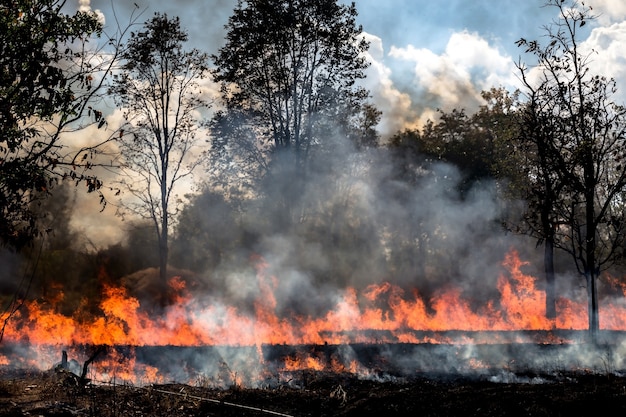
column 379, row 313
column 380, row 350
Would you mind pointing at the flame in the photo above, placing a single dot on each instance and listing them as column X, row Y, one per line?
column 379, row 313
column 306, row 363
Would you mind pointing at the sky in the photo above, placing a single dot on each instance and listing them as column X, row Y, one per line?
column 425, row 55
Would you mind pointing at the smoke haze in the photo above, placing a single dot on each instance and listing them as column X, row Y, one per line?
column 356, row 220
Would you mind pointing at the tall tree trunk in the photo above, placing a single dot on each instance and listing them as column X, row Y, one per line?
column 590, row 245
column 592, row 302
column 163, row 255
column 548, row 260
column 163, row 238
column 548, row 232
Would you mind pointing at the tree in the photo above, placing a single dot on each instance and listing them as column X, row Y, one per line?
column 288, row 69
column 159, row 90
column 540, row 186
column 475, row 143
column 50, row 79
column 579, row 134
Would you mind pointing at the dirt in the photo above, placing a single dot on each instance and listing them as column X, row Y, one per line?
column 61, row 393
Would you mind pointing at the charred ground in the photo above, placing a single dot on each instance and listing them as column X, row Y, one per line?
column 59, row 393
column 56, row 393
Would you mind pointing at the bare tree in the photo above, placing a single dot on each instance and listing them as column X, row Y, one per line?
column 159, row 90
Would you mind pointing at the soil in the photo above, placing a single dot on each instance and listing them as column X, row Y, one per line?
column 61, row 393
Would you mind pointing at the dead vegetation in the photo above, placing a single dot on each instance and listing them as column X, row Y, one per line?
column 60, row 393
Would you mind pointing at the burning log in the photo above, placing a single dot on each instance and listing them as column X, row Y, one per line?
column 82, row 380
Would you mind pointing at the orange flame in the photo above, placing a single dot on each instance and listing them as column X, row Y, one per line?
column 379, row 313
column 188, row 323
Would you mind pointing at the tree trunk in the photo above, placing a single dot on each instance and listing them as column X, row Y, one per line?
column 592, row 295
column 592, row 292
column 590, row 245
column 163, row 238
column 548, row 261
column 163, row 253
column 548, row 244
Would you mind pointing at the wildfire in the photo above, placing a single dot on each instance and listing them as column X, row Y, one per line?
column 379, row 313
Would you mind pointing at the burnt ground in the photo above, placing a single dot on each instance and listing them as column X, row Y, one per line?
column 59, row 393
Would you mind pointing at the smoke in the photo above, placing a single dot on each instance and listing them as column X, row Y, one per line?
column 394, row 104
column 352, row 221
column 356, row 218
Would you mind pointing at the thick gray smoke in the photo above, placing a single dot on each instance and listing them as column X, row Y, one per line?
column 352, row 220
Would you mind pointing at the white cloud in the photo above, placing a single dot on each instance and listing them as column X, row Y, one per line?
column 608, row 11
column 85, row 7
column 456, row 77
column 394, row 104
column 607, row 45
column 469, row 52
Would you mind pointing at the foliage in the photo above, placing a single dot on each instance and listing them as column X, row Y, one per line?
column 207, row 231
column 477, row 144
column 289, row 73
column 49, row 76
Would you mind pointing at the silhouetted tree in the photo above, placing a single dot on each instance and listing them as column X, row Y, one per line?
column 50, row 77
column 289, row 72
column 158, row 89
column 579, row 135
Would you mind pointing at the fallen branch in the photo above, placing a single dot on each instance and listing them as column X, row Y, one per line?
column 226, row 403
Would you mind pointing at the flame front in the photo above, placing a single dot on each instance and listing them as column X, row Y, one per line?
column 379, row 313
column 189, row 323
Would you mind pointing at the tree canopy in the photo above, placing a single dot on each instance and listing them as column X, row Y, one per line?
column 287, row 68
column 50, row 76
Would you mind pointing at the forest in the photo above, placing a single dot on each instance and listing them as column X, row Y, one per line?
column 273, row 192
